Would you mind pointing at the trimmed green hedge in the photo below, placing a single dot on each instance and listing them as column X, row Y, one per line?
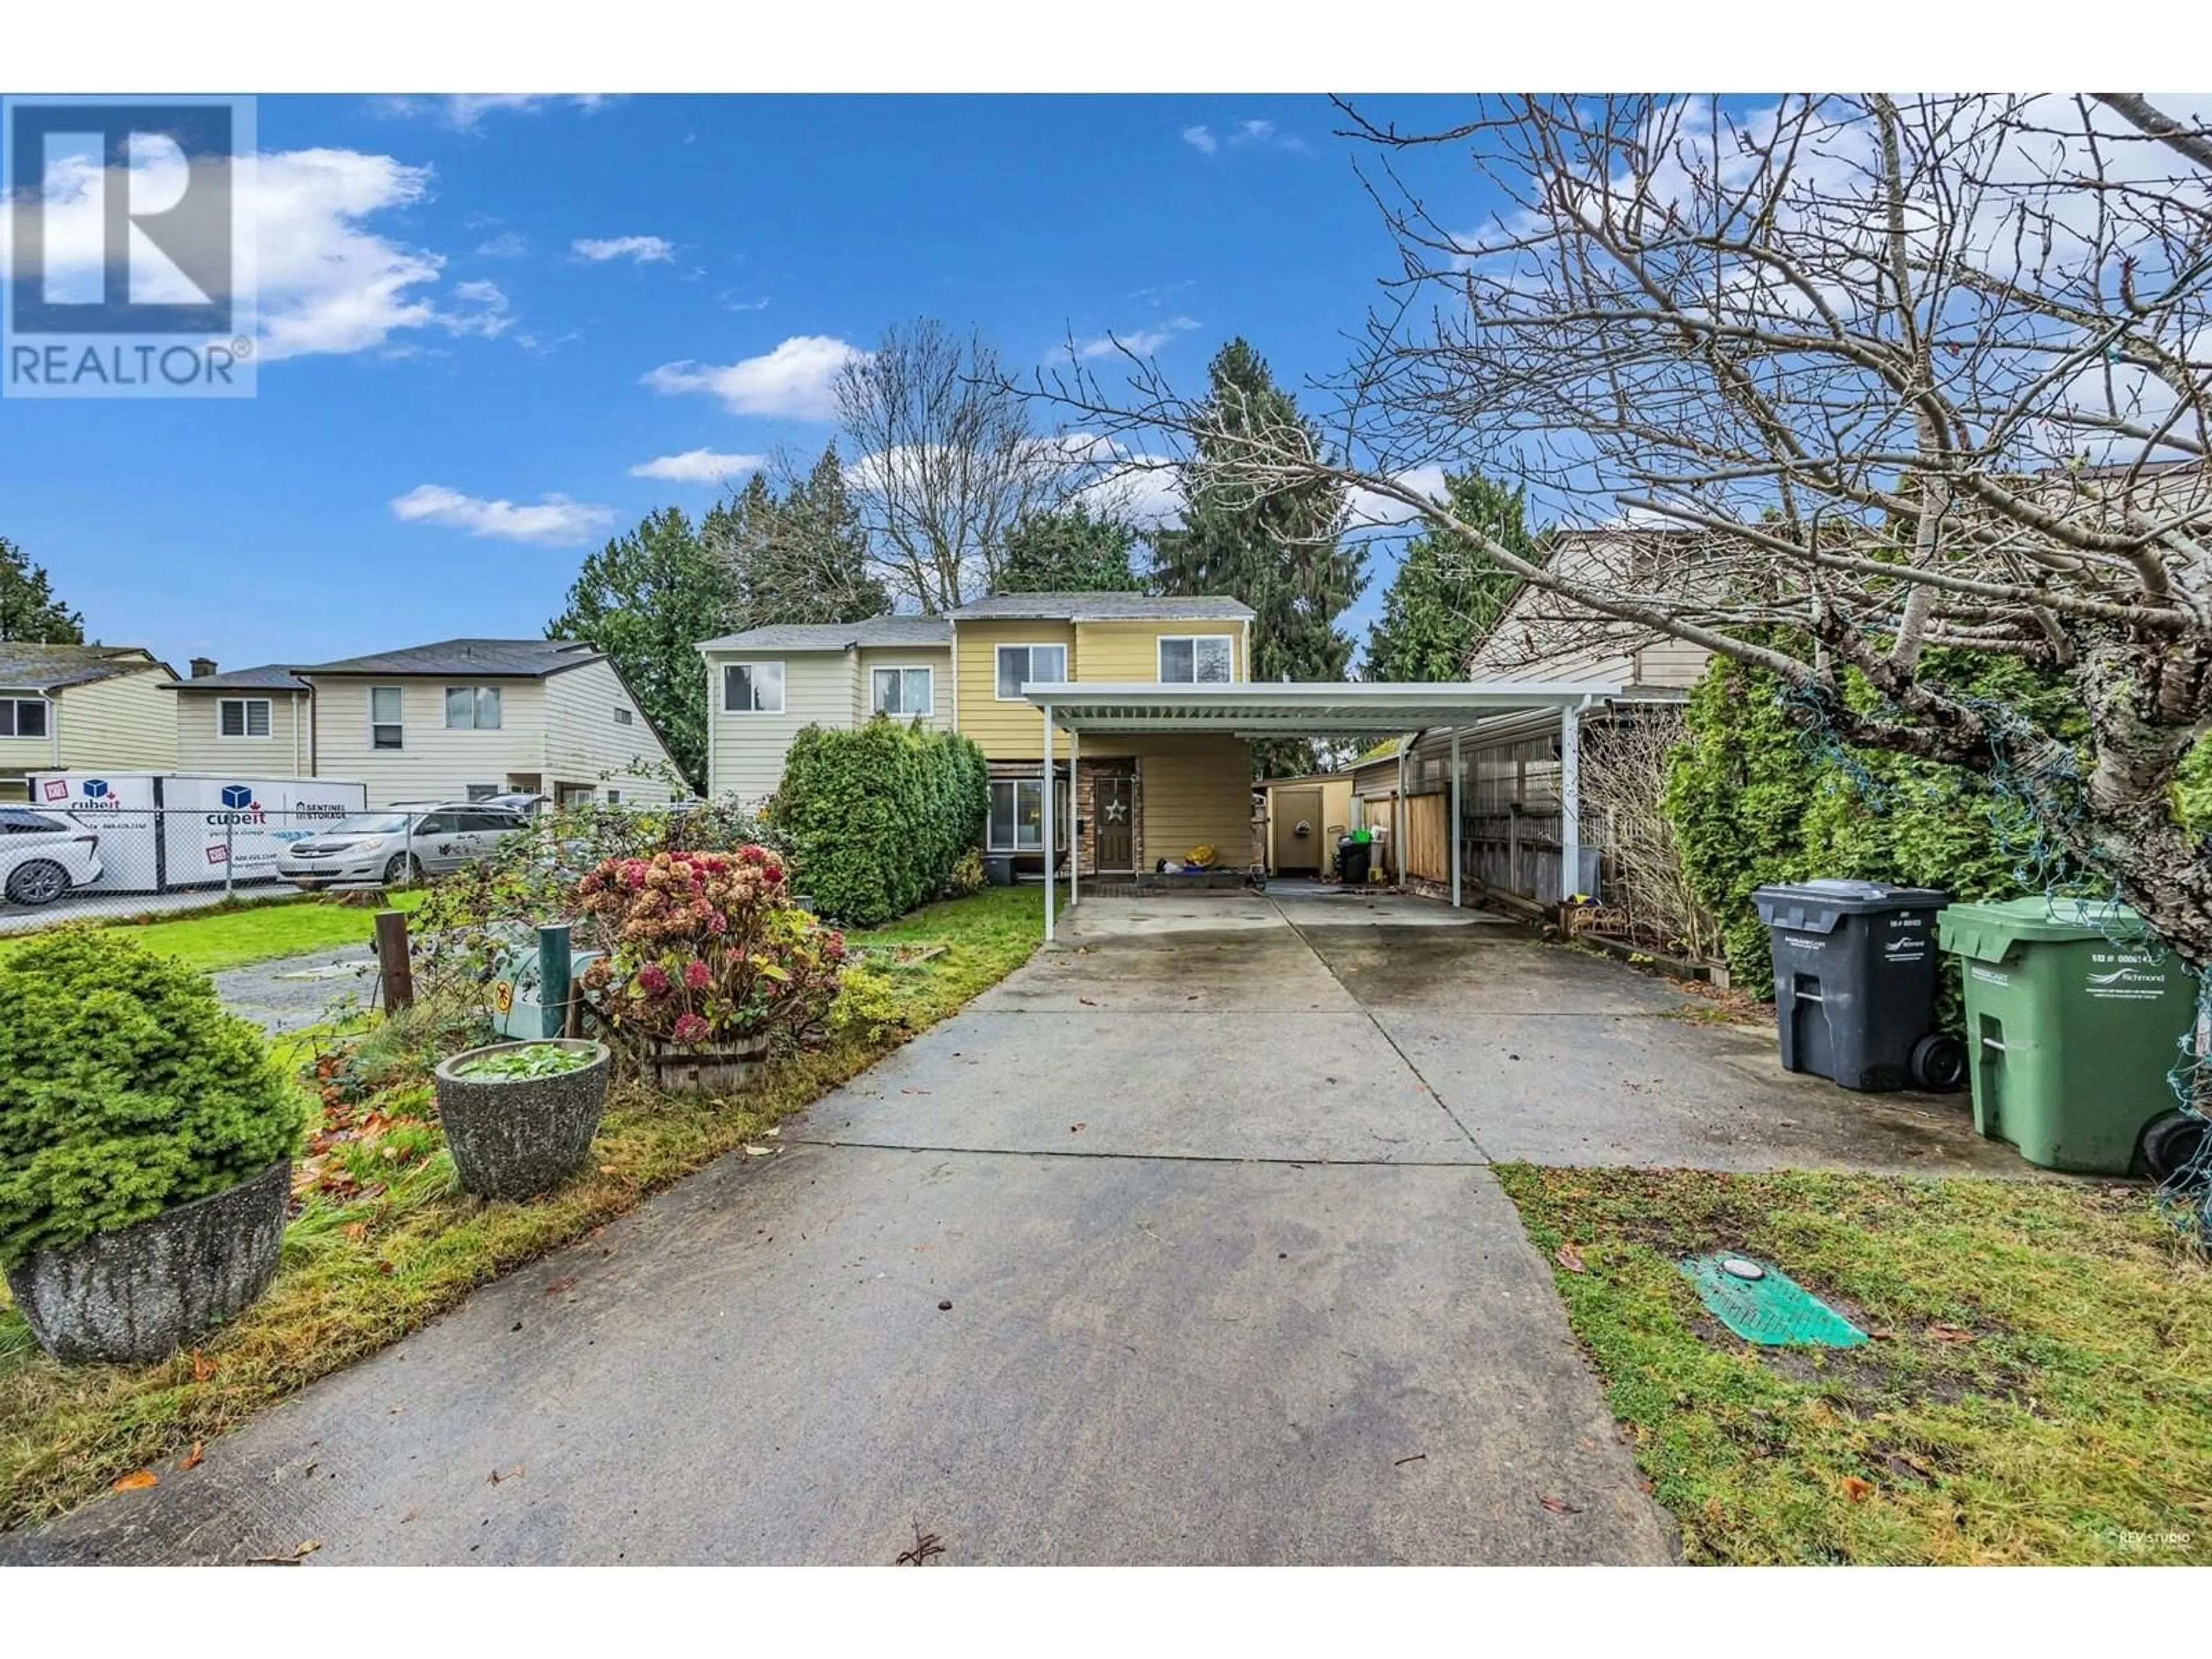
column 875, row 819
column 1753, row 801
column 124, row 1089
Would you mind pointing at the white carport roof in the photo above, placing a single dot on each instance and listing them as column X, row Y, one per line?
column 1251, row 708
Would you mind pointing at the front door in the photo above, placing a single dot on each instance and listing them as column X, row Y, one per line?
column 1114, row 814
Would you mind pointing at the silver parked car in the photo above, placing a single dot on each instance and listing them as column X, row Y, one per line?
column 396, row 844
column 42, row 856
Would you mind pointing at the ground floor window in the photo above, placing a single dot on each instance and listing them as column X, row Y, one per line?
column 1018, row 814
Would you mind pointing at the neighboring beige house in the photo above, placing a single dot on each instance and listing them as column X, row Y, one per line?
column 765, row 683
column 470, row 718
column 86, row 708
column 1540, row 637
column 254, row 721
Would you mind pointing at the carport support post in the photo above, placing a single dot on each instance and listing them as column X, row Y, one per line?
column 1048, row 824
column 1074, row 823
column 1401, row 816
column 1454, row 818
column 1570, row 803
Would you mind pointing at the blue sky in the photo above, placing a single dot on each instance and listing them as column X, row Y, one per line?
column 439, row 341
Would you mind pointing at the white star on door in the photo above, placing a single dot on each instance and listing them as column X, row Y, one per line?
column 1113, row 812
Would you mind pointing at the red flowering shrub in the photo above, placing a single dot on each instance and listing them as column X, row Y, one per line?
column 707, row 947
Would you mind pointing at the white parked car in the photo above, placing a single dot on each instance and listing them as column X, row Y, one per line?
column 42, row 856
column 396, row 844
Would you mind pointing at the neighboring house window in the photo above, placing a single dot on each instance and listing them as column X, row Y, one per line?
column 623, row 717
column 904, row 691
column 23, row 717
column 1018, row 814
column 614, row 798
column 752, row 688
column 472, row 709
column 387, row 706
column 1019, row 664
column 482, row 791
column 1196, row 659
column 242, row 717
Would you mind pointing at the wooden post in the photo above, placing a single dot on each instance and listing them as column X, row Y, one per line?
column 394, row 971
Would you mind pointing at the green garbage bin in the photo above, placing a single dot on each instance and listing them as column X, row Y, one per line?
column 2070, row 1035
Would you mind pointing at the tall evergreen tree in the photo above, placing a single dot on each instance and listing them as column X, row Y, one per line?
column 1071, row 550
column 1278, row 547
column 28, row 610
column 799, row 558
column 1447, row 595
column 648, row 599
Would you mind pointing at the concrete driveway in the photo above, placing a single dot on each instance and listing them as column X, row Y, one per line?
column 1228, row 1278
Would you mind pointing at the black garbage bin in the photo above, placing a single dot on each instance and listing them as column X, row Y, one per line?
column 1855, row 970
column 1353, row 860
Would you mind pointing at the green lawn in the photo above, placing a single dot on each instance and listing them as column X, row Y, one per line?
column 384, row 1242
column 2039, row 1389
column 216, row 940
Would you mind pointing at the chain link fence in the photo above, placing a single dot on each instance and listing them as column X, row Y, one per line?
column 61, row 864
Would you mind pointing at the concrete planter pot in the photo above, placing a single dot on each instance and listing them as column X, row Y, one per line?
column 134, row 1296
column 519, row 1136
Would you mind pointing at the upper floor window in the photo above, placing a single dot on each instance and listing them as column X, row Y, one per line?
column 472, row 709
column 1022, row 665
column 623, row 717
column 903, row 692
column 242, row 717
column 24, row 717
column 752, row 688
column 387, row 716
column 1197, row 659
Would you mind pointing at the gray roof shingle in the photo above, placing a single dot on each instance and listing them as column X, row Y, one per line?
column 1103, row 607
column 525, row 659
column 27, row 667
column 837, row 636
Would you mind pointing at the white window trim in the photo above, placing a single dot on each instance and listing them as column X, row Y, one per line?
column 928, row 711
column 245, row 720
column 1160, row 651
column 373, row 722
column 1060, row 645
column 783, row 690
column 476, row 702
column 44, row 703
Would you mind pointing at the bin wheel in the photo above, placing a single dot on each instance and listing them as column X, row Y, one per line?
column 1938, row 1062
column 2171, row 1145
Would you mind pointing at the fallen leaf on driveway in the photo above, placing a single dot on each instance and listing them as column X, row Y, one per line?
column 758, row 1152
column 1560, row 1506
column 1075, row 1128
column 138, row 1482
column 1570, row 1258
column 566, row 1282
column 1088, row 1002
column 1856, row 1490
column 306, row 1548
column 914, row 1092
column 192, row 1459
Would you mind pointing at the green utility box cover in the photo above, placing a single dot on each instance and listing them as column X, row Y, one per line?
column 517, row 1012
column 2074, row 1022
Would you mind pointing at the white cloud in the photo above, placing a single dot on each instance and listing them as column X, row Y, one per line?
column 1244, row 135
column 644, row 250
column 554, row 521
column 798, row 380
column 1143, row 341
column 465, row 110
column 1368, row 508
column 507, row 245
column 705, row 467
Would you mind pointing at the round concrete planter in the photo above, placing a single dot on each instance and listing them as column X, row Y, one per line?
column 519, row 1136
column 134, row 1296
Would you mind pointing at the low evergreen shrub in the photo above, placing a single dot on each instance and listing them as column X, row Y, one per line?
column 125, row 1091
